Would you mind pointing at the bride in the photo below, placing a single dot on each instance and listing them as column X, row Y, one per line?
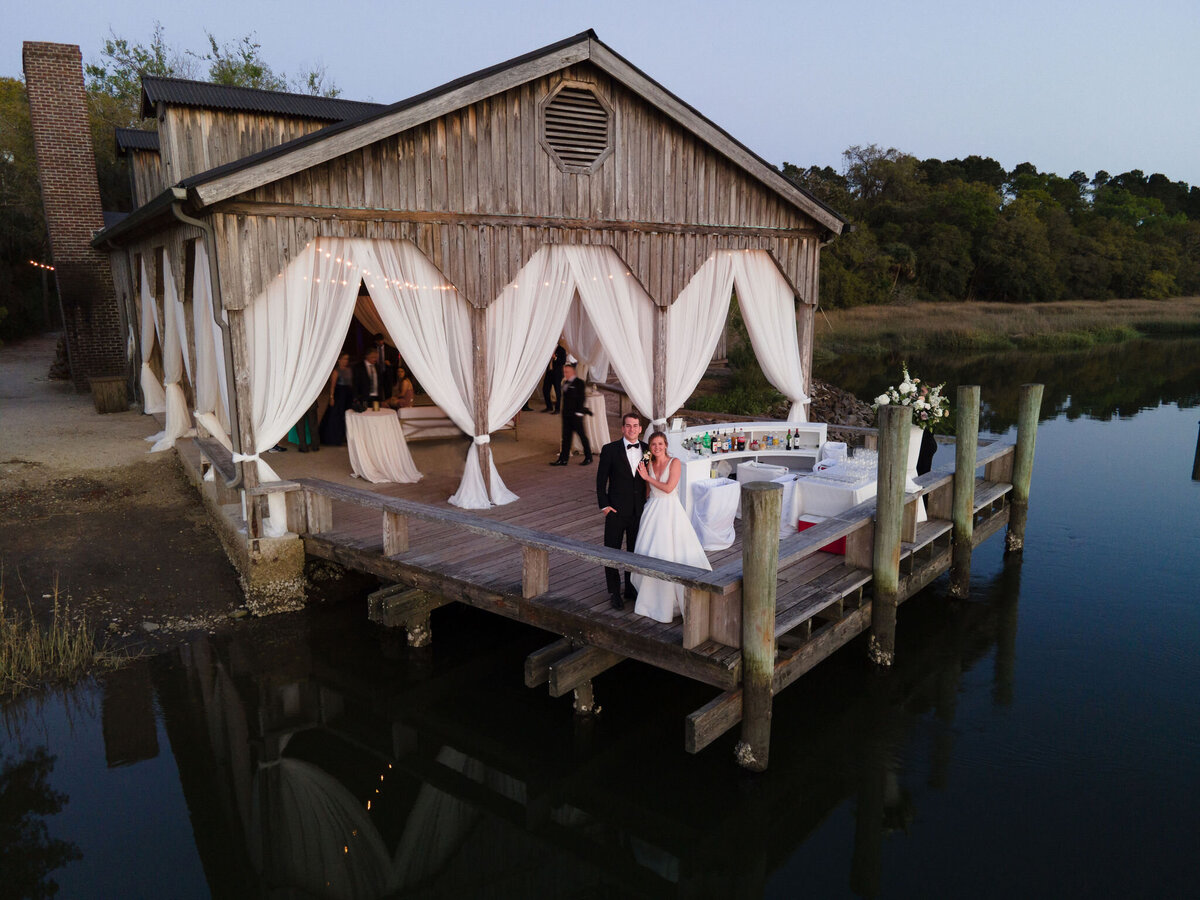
column 665, row 532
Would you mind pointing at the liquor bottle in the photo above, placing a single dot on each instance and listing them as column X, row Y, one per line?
column 706, row 443
column 728, row 443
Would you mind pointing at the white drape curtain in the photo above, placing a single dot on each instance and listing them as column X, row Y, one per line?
column 153, row 399
column 695, row 322
column 175, row 361
column 769, row 310
column 209, row 377
column 294, row 332
column 621, row 314
column 583, row 341
column 296, row 327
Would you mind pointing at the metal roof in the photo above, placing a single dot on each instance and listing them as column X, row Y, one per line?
column 135, row 139
column 205, row 94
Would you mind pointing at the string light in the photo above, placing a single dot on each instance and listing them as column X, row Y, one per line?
column 34, row 262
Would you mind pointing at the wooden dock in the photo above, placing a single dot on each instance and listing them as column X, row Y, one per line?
column 541, row 561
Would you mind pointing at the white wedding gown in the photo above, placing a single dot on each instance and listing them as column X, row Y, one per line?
column 665, row 532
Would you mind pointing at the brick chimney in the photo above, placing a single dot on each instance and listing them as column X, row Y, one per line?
column 62, row 139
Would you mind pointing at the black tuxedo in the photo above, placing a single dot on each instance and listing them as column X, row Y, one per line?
column 574, row 408
column 552, row 380
column 625, row 491
column 362, row 382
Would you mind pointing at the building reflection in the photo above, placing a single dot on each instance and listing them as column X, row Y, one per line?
column 332, row 763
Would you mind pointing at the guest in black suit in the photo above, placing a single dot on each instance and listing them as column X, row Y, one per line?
column 372, row 382
column 621, row 493
column 552, row 380
column 573, row 410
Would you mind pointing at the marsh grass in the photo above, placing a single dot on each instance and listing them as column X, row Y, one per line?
column 997, row 327
column 33, row 655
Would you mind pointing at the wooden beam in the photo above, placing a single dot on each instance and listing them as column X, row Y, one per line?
column 712, row 720
column 400, row 605
column 537, row 664
column 503, row 220
column 579, row 668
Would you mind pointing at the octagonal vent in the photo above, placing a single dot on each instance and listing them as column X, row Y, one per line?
column 577, row 128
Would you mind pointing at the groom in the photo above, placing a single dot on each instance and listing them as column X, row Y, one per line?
column 621, row 493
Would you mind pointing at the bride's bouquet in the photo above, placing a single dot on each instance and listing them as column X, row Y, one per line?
column 930, row 408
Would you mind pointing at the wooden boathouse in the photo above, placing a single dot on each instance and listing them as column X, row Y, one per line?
column 477, row 183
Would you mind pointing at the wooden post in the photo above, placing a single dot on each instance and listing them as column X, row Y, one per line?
column 761, row 502
column 894, row 422
column 395, row 533
column 1196, row 460
column 244, row 424
column 1027, row 421
column 479, row 364
column 963, row 510
column 659, row 403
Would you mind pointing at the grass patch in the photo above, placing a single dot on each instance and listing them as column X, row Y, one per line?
column 923, row 328
column 58, row 653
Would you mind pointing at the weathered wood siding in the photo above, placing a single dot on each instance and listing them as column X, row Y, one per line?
column 477, row 191
column 193, row 140
column 146, row 176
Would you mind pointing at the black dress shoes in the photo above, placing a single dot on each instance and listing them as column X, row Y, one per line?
column 559, row 462
column 616, row 602
column 587, row 461
column 630, row 593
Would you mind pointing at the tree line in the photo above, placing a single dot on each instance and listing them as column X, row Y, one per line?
column 967, row 229
column 961, row 229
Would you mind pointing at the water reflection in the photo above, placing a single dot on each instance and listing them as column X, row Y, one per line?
column 1098, row 383
column 327, row 764
column 28, row 854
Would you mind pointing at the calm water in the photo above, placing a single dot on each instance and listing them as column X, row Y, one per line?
column 1041, row 739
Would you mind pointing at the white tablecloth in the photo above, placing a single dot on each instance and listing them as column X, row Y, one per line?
column 378, row 451
column 827, row 496
column 595, row 426
column 752, row 470
column 714, row 503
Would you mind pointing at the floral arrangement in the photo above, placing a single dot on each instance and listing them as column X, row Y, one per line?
column 930, row 407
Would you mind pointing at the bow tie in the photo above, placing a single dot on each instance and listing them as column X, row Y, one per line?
column 632, row 447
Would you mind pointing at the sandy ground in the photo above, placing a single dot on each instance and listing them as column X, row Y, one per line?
column 88, row 515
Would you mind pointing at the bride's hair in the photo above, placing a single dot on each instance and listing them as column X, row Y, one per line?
column 657, row 434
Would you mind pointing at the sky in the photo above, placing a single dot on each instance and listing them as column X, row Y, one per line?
column 1066, row 86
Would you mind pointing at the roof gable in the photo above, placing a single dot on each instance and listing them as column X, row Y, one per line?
column 245, row 174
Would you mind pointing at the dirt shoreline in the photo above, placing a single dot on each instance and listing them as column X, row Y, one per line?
column 86, row 511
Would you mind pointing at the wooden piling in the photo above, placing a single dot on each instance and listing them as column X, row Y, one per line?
column 1196, row 460
column 894, row 430
column 962, row 514
column 761, row 503
column 1027, row 421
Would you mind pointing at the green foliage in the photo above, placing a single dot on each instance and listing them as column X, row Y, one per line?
column 967, row 229
column 114, row 89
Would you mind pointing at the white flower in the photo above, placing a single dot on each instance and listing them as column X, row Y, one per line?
column 906, row 387
column 882, row 400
